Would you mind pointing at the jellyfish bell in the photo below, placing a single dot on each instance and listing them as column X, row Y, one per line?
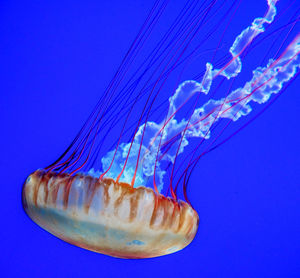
column 124, row 200
column 109, row 218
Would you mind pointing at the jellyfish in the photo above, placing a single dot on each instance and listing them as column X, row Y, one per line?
column 118, row 188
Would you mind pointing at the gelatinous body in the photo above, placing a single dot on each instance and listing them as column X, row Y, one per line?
column 107, row 217
column 157, row 146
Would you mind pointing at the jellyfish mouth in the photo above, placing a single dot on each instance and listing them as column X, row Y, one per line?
column 108, row 217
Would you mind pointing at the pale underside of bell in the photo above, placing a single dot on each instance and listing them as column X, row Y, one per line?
column 108, row 218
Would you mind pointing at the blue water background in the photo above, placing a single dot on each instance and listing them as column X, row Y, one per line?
column 55, row 60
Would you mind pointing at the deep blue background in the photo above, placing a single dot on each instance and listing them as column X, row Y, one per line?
column 55, row 60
